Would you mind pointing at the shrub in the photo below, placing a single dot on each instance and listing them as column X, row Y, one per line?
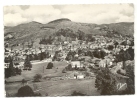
column 24, row 69
column 37, row 77
column 87, row 74
column 82, row 69
column 75, row 93
column 25, row 91
column 110, row 47
column 29, row 69
column 46, row 94
column 64, row 71
column 50, row 65
column 23, row 81
column 99, row 53
column 69, row 67
column 37, row 94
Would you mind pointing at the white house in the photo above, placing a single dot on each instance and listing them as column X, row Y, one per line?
column 105, row 62
column 80, row 76
column 76, row 63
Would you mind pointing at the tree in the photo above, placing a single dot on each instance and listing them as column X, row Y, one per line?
column 35, row 56
column 105, row 82
column 89, row 38
column 116, row 43
column 41, row 56
column 50, row 65
column 37, row 77
column 12, row 70
column 130, row 81
column 25, row 91
column 123, row 56
column 69, row 67
column 18, row 71
column 27, row 63
column 23, row 81
column 7, row 73
column 131, row 52
column 81, row 35
column 110, row 47
column 99, row 53
column 50, row 39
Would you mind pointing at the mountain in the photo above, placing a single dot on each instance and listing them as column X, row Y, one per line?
column 35, row 31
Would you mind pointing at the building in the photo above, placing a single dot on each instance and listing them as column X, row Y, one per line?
column 76, row 63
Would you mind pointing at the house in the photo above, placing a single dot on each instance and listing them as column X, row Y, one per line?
column 80, row 76
column 76, row 63
column 105, row 62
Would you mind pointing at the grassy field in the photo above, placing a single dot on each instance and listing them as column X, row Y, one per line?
column 38, row 69
column 52, row 87
column 59, row 88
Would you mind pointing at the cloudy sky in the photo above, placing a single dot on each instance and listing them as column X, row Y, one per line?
column 99, row 14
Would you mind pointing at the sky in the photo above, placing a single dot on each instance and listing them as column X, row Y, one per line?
column 92, row 13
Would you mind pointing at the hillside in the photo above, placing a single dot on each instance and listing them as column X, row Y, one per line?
column 34, row 30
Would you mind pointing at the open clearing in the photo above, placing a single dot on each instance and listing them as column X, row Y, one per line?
column 58, row 88
column 38, row 69
column 52, row 87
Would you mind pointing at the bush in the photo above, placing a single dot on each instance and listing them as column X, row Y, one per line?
column 29, row 69
column 25, row 91
column 69, row 68
column 64, row 71
column 37, row 94
column 50, row 65
column 46, row 94
column 110, row 47
column 24, row 69
column 81, row 69
column 37, row 77
column 87, row 74
column 75, row 93
column 23, row 81
column 99, row 53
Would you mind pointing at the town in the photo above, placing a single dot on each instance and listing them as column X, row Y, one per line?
column 69, row 60
column 69, row 50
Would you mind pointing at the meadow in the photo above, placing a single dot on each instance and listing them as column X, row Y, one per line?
column 51, row 87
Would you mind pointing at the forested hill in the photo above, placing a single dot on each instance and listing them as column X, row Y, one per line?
column 35, row 30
